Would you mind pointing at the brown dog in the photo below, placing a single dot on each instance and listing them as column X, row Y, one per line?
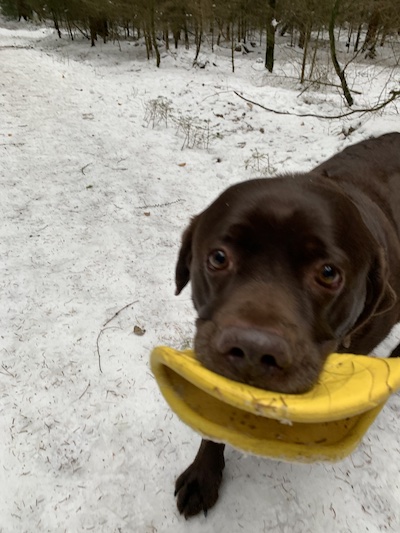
column 285, row 271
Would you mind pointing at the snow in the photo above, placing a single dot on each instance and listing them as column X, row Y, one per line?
column 94, row 200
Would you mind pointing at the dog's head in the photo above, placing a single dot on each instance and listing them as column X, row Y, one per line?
column 283, row 271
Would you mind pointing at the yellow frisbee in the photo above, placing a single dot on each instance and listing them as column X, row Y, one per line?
column 325, row 423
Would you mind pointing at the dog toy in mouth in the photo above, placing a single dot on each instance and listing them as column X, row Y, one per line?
column 325, row 423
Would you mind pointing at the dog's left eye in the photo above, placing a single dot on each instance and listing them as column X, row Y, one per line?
column 217, row 260
column 329, row 277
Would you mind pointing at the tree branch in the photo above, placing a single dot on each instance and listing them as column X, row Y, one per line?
column 377, row 107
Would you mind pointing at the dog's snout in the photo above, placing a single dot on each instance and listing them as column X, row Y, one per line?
column 254, row 346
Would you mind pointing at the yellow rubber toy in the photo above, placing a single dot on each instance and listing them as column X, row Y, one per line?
column 326, row 423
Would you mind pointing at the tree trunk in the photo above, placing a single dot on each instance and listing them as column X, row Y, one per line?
column 307, row 35
column 338, row 69
column 199, row 36
column 269, row 54
column 177, row 36
column 147, row 40
column 152, row 34
column 166, row 36
column 71, row 33
column 232, row 49
column 56, row 24
column 314, row 57
column 186, row 36
column 371, row 37
column 302, row 37
column 24, row 10
column 357, row 43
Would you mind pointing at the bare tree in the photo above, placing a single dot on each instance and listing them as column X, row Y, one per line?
column 271, row 27
column 339, row 71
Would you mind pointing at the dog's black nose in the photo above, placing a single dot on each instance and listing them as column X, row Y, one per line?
column 254, row 347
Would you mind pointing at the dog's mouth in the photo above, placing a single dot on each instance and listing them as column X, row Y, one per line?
column 286, row 367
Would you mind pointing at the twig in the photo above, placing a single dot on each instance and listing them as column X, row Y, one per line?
column 88, row 385
column 160, row 205
column 42, row 229
column 327, row 84
column 12, row 144
column 215, row 94
column 98, row 349
column 97, row 344
column 104, row 328
column 118, row 312
column 83, row 168
column 395, row 94
column 6, row 371
column 17, row 47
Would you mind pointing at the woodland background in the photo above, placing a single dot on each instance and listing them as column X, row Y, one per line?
column 240, row 22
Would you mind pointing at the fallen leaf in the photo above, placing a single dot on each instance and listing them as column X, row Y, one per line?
column 138, row 331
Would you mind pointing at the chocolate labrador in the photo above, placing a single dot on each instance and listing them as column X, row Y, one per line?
column 285, row 271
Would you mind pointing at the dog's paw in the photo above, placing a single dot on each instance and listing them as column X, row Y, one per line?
column 197, row 490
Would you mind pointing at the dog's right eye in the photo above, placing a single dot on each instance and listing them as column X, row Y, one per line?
column 217, row 260
column 329, row 277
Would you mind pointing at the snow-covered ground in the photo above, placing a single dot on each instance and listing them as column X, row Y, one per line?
column 95, row 191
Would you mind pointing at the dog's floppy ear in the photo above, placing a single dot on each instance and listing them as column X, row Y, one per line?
column 380, row 295
column 182, row 270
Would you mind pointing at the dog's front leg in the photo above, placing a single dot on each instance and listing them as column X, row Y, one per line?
column 197, row 487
